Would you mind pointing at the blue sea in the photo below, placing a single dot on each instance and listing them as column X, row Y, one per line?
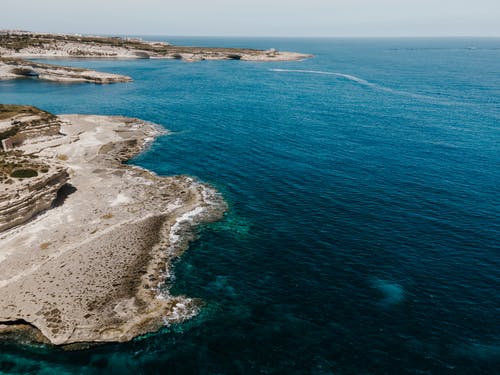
column 364, row 222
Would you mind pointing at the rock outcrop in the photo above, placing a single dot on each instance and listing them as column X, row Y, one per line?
column 36, row 45
column 17, row 46
column 29, row 185
column 15, row 68
column 96, row 267
column 25, row 197
column 25, row 123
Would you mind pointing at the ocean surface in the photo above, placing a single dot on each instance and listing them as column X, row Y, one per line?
column 364, row 193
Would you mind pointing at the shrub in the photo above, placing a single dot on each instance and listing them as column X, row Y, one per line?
column 9, row 133
column 24, row 173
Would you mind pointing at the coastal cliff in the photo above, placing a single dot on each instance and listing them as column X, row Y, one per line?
column 28, row 184
column 15, row 68
column 86, row 241
column 87, row 257
column 23, row 198
column 18, row 46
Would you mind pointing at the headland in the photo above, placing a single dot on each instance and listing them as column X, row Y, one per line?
column 87, row 241
column 18, row 47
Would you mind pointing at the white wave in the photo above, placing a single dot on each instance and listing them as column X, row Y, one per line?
column 189, row 217
column 182, row 309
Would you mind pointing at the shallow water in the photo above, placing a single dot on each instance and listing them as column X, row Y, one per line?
column 365, row 211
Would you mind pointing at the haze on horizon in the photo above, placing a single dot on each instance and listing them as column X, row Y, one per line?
column 257, row 17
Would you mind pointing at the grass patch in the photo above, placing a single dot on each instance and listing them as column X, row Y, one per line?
column 24, row 173
column 9, row 133
column 10, row 110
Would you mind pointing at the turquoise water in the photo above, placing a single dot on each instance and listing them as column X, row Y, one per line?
column 365, row 213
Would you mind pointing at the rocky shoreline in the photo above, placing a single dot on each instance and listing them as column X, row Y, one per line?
column 90, row 268
column 16, row 68
column 86, row 241
column 22, row 44
column 18, row 46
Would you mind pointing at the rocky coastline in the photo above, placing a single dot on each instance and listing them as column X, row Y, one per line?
column 86, row 258
column 87, row 241
column 16, row 68
column 18, row 47
column 23, row 44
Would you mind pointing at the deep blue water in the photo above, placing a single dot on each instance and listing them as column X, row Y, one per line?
column 364, row 185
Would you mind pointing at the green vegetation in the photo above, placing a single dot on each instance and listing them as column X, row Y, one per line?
column 24, row 173
column 14, row 163
column 10, row 110
column 17, row 42
column 9, row 133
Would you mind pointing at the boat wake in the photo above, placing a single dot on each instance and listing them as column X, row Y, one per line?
column 366, row 83
column 347, row 76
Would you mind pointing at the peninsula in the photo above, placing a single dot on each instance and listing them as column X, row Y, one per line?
column 86, row 241
column 18, row 46
column 12, row 68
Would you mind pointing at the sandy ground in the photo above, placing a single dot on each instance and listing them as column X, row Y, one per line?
column 89, row 269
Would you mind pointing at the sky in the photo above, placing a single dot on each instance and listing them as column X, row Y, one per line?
column 357, row 18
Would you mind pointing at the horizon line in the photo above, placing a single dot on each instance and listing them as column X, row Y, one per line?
column 324, row 36
column 265, row 36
